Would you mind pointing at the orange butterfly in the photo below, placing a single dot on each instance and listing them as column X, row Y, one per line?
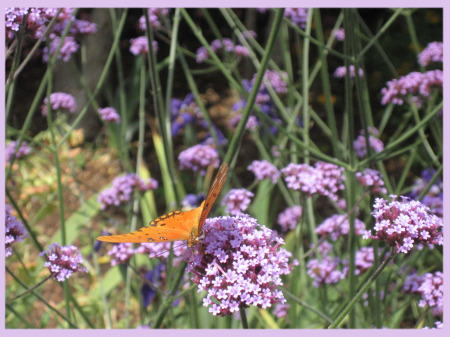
column 177, row 226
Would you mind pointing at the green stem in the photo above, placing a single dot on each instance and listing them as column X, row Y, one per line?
column 39, row 297
column 243, row 318
column 239, row 134
column 29, row 290
column 361, row 291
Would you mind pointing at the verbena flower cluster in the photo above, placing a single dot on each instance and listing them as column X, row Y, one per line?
column 372, row 179
column 122, row 188
column 430, row 286
column 434, row 197
column 338, row 225
column 237, row 200
column 364, row 258
column 276, row 79
column 184, row 112
column 322, row 178
column 63, row 261
column 340, row 34
column 225, row 44
column 332, row 269
column 154, row 17
column 418, row 85
column 263, row 169
column 14, row 230
column 252, row 122
column 298, row 16
column 325, row 271
column 11, row 148
column 281, row 310
column 191, row 201
column 289, row 218
column 121, row 253
column 198, row 157
column 109, row 114
column 434, row 52
column 375, row 143
column 342, row 71
column 278, row 82
column 139, row 46
column 37, row 21
column 405, row 223
column 60, row 100
column 239, row 263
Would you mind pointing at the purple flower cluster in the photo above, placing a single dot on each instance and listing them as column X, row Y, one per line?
column 224, row 44
column 338, row 225
column 63, row 261
column 14, row 230
column 237, row 201
column 434, row 197
column 69, row 46
column 322, row 178
column 37, row 24
column 375, row 143
column 403, row 223
column 263, row 169
column 109, row 114
column 342, row 71
column 252, row 122
column 184, row 112
column 239, row 263
column 60, row 100
column 363, row 260
column 278, row 82
column 289, row 218
column 198, row 157
column 430, row 286
column 161, row 250
column 139, row 45
column 11, row 148
column 432, row 290
column 325, row 271
column 121, row 253
column 434, row 52
column 263, row 101
column 418, row 85
column 340, row 34
column 298, row 16
column 122, row 188
column 371, row 178
column 191, row 201
column 154, row 16
column 281, row 310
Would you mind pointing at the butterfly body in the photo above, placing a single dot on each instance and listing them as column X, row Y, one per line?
column 176, row 226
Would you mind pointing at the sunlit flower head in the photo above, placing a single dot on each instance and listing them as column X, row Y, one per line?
column 403, row 224
column 239, row 263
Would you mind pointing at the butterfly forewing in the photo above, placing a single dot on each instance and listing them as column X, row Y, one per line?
column 174, row 226
column 213, row 193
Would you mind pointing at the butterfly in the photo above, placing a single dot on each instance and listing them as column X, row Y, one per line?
column 177, row 226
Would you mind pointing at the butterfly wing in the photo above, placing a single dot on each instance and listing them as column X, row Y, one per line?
column 213, row 193
column 174, row 226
